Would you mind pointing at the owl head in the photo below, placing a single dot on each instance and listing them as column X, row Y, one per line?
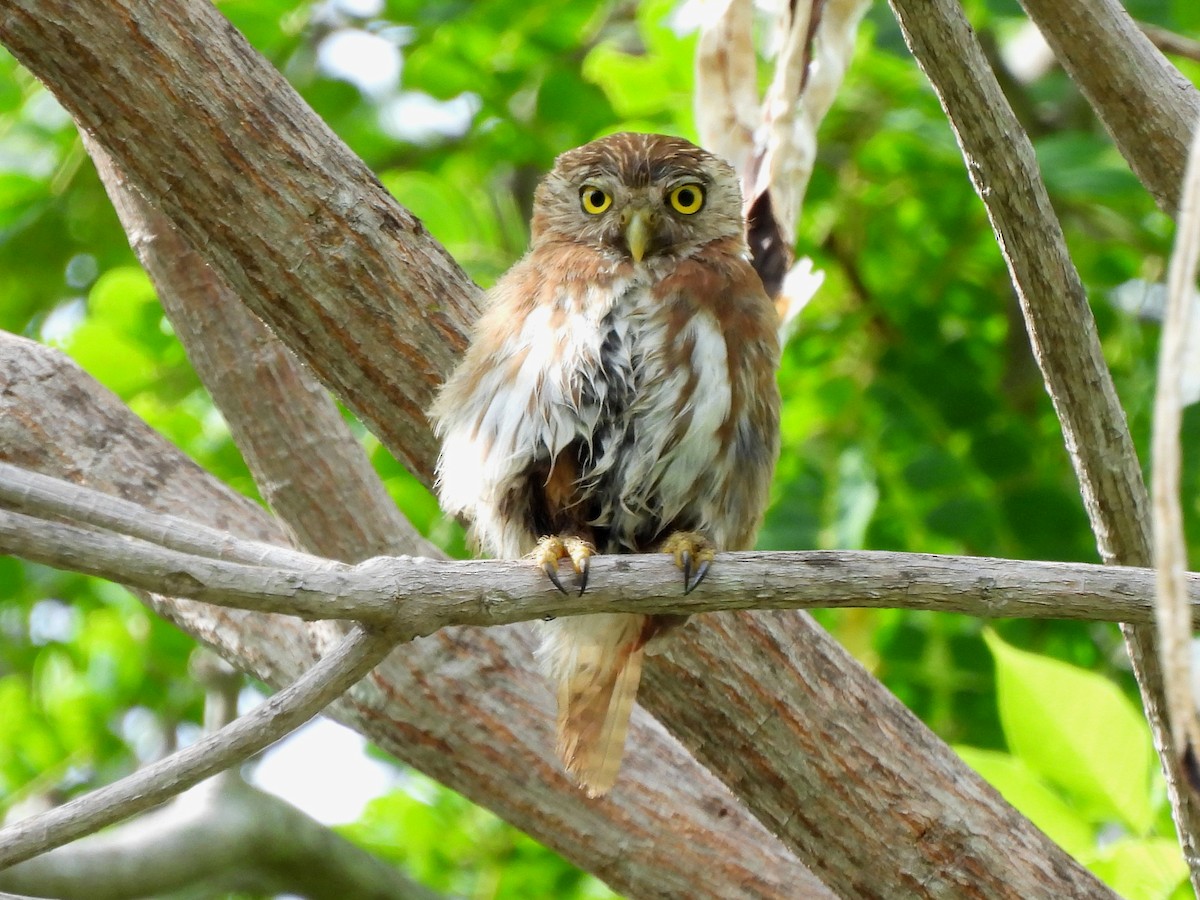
column 638, row 196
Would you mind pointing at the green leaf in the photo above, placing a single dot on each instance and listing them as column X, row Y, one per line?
column 1021, row 786
column 1078, row 731
column 1141, row 869
column 122, row 296
column 111, row 357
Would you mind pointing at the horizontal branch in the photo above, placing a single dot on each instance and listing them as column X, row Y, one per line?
column 287, row 710
column 418, row 596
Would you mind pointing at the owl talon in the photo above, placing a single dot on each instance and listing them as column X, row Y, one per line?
column 584, row 566
column 693, row 554
column 551, row 549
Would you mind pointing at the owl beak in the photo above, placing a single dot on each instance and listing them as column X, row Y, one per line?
column 638, row 232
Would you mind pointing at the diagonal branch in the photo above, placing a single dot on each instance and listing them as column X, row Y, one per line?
column 290, row 431
column 222, row 834
column 1146, row 104
column 1002, row 167
column 214, row 138
column 281, row 714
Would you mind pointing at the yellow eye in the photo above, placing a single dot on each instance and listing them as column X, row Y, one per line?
column 687, row 199
column 594, row 200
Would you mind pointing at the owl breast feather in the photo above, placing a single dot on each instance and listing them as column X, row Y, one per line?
column 601, row 412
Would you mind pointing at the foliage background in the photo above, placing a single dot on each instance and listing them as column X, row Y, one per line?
column 914, row 416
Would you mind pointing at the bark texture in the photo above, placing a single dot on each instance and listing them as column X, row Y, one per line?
column 202, row 125
column 1147, row 105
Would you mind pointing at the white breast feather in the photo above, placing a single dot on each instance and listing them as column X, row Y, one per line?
column 479, row 466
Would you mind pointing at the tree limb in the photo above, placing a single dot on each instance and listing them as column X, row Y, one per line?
column 215, row 138
column 419, row 596
column 279, row 715
column 1145, row 103
column 290, row 431
column 222, row 835
column 1004, row 171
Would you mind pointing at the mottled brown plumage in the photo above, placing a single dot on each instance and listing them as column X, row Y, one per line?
column 618, row 394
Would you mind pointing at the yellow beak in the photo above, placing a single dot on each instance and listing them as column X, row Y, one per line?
column 638, row 232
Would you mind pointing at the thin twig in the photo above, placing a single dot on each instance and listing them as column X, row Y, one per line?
column 287, row 710
column 40, row 495
column 1169, row 42
column 1173, row 615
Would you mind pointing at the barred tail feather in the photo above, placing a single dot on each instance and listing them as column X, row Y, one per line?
column 596, row 662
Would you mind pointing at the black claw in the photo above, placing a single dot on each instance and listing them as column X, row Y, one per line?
column 583, row 574
column 685, row 559
column 701, row 571
column 552, row 573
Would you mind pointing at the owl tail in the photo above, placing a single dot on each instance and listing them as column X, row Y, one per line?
column 596, row 664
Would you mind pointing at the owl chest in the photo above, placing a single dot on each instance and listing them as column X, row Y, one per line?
column 651, row 394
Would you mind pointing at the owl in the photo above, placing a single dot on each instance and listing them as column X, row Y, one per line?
column 618, row 396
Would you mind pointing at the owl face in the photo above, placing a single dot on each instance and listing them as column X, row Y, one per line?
column 639, row 197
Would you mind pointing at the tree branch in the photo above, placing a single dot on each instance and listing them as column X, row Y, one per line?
column 419, row 596
column 282, row 713
column 467, row 706
column 1175, row 625
column 1003, row 169
column 1145, row 103
column 24, row 490
column 1169, row 42
column 290, row 431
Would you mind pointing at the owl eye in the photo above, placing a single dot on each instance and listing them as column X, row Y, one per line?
column 687, row 199
column 594, row 200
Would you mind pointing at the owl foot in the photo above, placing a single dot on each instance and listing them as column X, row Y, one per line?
column 551, row 549
column 693, row 554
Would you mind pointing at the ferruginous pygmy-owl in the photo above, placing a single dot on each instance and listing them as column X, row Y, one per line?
column 618, row 396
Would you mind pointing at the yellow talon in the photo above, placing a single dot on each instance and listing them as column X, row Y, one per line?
column 692, row 552
column 551, row 549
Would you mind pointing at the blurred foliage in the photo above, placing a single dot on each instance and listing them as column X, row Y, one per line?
column 1085, row 772
column 455, row 847
column 914, row 419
